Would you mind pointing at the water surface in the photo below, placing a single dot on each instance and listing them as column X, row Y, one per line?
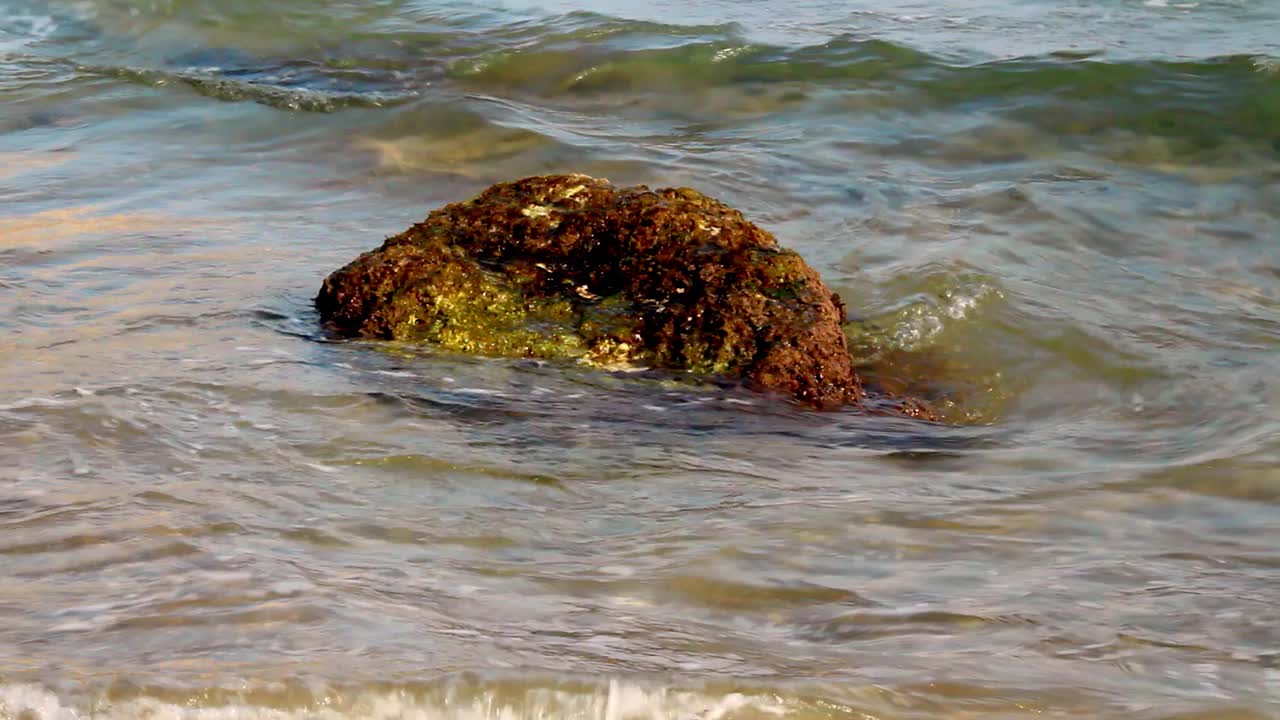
column 1061, row 218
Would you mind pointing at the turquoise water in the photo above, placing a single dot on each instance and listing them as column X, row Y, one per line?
column 1061, row 219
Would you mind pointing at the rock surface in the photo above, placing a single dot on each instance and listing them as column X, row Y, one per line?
column 570, row 266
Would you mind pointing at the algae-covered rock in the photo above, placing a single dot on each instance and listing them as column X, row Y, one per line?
column 570, row 266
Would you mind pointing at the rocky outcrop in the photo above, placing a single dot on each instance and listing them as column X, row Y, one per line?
column 570, row 266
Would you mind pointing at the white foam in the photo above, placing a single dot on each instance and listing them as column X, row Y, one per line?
column 621, row 700
column 1267, row 64
column 33, row 700
column 480, row 391
column 922, row 322
column 21, row 31
column 33, row 402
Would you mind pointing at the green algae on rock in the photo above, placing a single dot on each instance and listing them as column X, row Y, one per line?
column 570, row 266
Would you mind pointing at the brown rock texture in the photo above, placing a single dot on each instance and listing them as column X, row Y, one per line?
column 571, row 266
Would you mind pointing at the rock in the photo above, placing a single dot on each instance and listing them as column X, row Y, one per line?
column 569, row 266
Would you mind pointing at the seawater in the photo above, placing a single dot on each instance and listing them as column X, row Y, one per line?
column 1059, row 218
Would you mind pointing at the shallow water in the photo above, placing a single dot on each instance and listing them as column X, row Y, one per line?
column 1060, row 218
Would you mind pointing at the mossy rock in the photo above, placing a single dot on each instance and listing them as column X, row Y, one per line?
column 570, row 266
